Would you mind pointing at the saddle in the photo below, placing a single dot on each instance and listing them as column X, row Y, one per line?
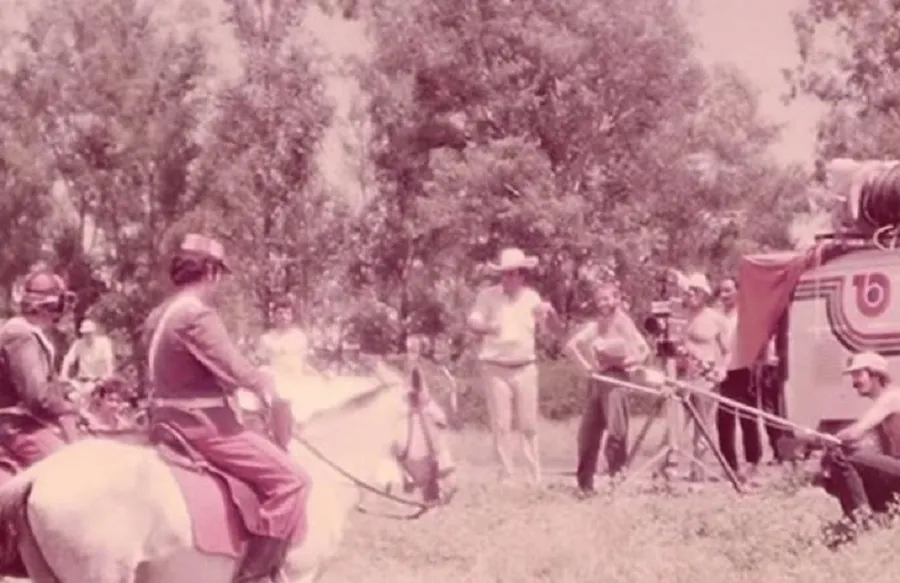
column 237, row 510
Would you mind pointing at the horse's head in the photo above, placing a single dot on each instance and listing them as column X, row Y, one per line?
column 421, row 447
column 358, row 422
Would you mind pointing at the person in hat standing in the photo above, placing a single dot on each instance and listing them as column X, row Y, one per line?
column 859, row 476
column 609, row 344
column 91, row 355
column 505, row 318
column 36, row 417
column 194, row 369
column 704, row 354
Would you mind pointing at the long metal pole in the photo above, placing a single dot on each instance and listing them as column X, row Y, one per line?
column 738, row 406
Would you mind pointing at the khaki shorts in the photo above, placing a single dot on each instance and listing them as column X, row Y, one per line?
column 511, row 393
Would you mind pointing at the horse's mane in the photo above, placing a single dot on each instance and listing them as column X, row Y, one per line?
column 362, row 400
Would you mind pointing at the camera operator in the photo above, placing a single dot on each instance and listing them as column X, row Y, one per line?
column 703, row 355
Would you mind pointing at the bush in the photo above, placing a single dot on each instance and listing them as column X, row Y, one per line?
column 563, row 391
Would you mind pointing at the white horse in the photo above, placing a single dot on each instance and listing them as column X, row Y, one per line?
column 105, row 511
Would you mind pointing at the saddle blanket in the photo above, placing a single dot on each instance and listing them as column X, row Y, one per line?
column 218, row 507
column 221, row 507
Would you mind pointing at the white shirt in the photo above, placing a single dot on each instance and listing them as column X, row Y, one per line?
column 95, row 360
column 285, row 350
column 516, row 321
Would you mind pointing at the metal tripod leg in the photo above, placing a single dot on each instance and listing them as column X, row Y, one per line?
column 668, row 449
column 672, row 448
column 707, row 437
column 645, row 429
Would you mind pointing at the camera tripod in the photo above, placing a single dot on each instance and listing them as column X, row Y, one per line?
column 675, row 405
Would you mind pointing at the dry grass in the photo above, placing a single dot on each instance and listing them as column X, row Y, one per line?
column 514, row 533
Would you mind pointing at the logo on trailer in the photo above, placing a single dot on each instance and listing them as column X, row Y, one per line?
column 857, row 309
column 873, row 293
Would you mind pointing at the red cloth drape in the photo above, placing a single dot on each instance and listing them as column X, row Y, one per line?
column 766, row 283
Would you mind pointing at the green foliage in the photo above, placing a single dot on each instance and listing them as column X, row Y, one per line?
column 587, row 133
column 848, row 61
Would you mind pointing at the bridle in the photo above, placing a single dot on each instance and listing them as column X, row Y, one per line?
column 415, row 413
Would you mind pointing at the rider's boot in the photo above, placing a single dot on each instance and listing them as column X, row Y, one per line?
column 263, row 560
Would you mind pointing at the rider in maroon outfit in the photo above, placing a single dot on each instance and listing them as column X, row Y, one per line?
column 195, row 369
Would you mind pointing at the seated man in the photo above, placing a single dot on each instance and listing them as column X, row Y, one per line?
column 36, row 419
column 857, row 476
column 195, row 369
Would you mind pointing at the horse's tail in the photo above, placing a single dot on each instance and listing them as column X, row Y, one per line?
column 14, row 496
column 14, row 528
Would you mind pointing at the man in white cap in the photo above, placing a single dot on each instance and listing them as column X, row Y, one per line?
column 505, row 318
column 856, row 475
column 704, row 349
column 91, row 355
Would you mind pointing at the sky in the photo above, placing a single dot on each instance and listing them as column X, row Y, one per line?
column 757, row 37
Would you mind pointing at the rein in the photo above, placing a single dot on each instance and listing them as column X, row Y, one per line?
column 420, row 507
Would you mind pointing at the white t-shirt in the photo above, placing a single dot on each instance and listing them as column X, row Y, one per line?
column 516, row 320
column 95, row 360
column 285, row 350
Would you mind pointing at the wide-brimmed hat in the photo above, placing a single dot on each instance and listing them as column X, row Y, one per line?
column 870, row 361
column 206, row 246
column 698, row 281
column 87, row 327
column 513, row 258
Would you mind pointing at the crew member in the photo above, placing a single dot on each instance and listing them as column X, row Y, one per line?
column 610, row 344
column 505, row 317
column 737, row 386
column 856, row 475
column 705, row 352
column 195, row 368
column 36, row 418
column 91, row 355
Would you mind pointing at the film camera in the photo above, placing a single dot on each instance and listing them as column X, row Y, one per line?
column 658, row 326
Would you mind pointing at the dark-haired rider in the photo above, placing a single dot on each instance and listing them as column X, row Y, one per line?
column 194, row 367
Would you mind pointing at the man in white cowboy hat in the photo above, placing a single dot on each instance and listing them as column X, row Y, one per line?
column 704, row 352
column 91, row 355
column 505, row 317
column 858, row 476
